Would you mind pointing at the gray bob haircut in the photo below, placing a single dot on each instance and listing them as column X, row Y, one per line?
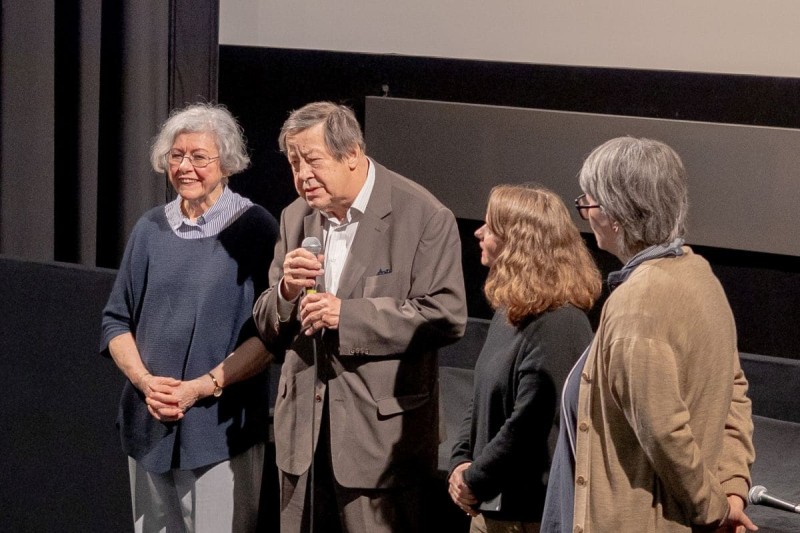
column 213, row 119
column 342, row 131
column 642, row 185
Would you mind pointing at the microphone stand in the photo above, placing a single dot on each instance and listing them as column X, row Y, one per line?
column 313, row 245
column 312, row 475
column 313, row 428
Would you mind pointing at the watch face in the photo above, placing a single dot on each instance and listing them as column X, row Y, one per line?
column 217, row 392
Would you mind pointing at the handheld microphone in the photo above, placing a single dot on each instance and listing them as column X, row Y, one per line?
column 758, row 496
column 312, row 244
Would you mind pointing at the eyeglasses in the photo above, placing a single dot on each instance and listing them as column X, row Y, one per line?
column 582, row 206
column 197, row 161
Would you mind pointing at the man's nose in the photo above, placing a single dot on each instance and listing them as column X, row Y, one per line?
column 304, row 172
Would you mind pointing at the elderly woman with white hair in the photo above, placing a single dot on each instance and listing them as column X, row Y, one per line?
column 193, row 417
column 656, row 432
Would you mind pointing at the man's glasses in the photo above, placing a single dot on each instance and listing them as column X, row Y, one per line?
column 197, row 161
column 582, row 206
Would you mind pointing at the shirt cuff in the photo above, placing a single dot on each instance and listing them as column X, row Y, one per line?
column 285, row 307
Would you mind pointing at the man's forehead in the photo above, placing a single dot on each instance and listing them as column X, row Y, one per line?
column 303, row 148
column 304, row 144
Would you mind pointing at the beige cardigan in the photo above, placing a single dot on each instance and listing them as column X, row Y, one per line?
column 664, row 423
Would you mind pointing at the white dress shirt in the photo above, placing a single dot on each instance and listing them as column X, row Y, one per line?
column 338, row 237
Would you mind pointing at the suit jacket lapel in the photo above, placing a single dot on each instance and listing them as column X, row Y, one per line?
column 371, row 235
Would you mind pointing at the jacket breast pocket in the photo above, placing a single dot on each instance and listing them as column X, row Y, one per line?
column 384, row 285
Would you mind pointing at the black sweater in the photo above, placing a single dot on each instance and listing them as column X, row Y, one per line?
column 509, row 429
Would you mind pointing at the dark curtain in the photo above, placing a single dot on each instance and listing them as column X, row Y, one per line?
column 84, row 87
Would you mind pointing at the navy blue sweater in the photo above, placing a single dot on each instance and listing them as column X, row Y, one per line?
column 188, row 304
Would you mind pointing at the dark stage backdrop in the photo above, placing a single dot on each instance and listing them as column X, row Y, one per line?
column 84, row 86
column 261, row 86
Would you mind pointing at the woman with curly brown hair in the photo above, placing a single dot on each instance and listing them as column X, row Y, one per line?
column 541, row 281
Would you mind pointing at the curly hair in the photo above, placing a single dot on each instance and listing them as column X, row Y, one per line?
column 543, row 262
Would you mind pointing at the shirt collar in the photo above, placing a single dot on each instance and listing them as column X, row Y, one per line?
column 359, row 205
column 176, row 218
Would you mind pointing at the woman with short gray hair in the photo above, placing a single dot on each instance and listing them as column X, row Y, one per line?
column 214, row 120
column 194, row 412
column 655, row 201
column 656, row 429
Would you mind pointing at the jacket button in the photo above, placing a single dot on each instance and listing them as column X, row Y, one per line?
column 318, row 398
column 586, row 377
column 578, row 529
column 583, row 426
column 580, row 480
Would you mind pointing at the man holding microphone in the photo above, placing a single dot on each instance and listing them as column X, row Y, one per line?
column 390, row 291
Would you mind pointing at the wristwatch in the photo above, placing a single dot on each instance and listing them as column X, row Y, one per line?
column 217, row 389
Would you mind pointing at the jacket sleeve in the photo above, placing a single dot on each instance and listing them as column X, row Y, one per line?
column 644, row 379
column 738, row 452
column 275, row 334
column 462, row 449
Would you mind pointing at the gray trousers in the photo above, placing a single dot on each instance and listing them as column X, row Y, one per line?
column 339, row 509
column 212, row 499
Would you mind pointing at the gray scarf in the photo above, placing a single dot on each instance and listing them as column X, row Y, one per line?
column 673, row 249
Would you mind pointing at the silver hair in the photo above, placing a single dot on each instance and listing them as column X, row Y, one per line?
column 642, row 186
column 342, row 131
column 214, row 119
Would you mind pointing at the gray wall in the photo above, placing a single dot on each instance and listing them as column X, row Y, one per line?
column 732, row 36
column 744, row 181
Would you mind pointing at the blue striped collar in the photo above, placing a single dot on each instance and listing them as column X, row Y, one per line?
column 228, row 207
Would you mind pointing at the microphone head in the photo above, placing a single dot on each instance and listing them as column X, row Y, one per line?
column 312, row 245
column 755, row 494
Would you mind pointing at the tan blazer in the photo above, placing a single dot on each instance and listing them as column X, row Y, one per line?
column 402, row 292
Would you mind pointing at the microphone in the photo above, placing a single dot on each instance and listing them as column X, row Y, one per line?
column 312, row 244
column 758, row 496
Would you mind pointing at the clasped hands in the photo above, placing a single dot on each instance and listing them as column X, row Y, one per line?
column 167, row 398
column 318, row 310
column 460, row 492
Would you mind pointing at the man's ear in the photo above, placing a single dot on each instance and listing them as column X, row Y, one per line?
column 352, row 157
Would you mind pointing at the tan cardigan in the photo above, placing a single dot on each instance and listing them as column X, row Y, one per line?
column 664, row 423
